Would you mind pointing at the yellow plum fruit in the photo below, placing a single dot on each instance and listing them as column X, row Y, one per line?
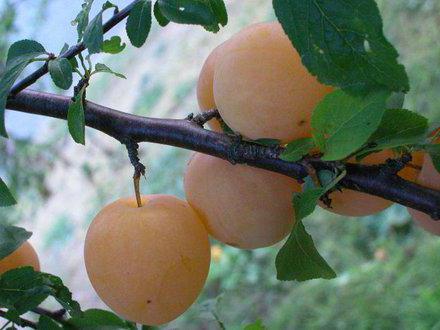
column 261, row 88
column 148, row 263
column 25, row 255
column 242, row 206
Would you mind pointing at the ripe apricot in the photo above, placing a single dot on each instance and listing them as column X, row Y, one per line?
column 147, row 263
column 25, row 255
column 429, row 177
column 261, row 88
column 205, row 92
column 242, row 206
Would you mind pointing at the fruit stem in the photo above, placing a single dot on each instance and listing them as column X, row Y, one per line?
column 139, row 168
column 136, row 181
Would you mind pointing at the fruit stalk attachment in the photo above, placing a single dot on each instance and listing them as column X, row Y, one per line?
column 139, row 168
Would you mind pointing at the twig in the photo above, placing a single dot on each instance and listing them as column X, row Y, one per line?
column 202, row 118
column 24, row 322
column 57, row 315
column 71, row 52
column 371, row 179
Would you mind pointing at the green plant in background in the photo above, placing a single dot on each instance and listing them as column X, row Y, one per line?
column 336, row 143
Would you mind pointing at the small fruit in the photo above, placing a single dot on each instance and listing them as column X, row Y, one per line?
column 147, row 263
column 205, row 91
column 261, row 88
column 241, row 206
column 25, row 255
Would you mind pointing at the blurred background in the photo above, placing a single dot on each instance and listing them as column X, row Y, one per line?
column 388, row 268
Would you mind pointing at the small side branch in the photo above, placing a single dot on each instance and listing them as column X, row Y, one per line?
column 202, row 118
column 23, row 322
column 56, row 315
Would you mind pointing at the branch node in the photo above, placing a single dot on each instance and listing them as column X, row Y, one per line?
column 394, row 166
column 202, row 118
column 241, row 151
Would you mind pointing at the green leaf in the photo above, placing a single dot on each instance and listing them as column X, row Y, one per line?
column 82, row 19
column 99, row 67
column 19, row 56
column 73, row 63
column 94, row 35
column 113, row 45
column 64, row 49
column 62, row 294
column 98, row 319
column 6, row 198
column 396, row 101
column 398, row 128
column 22, row 289
column 305, row 202
column 197, row 12
column 139, row 23
column 24, row 50
column 219, row 9
column 342, row 123
column 108, row 5
column 297, row 149
column 298, row 259
column 342, row 42
column 258, row 325
column 160, row 18
column 60, row 71
column 46, row 323
column 11, row 238
column 76, row 118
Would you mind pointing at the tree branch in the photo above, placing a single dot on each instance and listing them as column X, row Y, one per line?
column 184, row 133
column 24, row 322
column 71, row 52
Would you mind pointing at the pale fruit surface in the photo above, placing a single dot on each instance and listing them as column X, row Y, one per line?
column 429, row 177
column 148, row 264
column 205, row 91
column 25, row 255
column 242, row 206
column 261, row 88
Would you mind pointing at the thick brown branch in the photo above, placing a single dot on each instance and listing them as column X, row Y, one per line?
column 71, row 52
column 186, row 134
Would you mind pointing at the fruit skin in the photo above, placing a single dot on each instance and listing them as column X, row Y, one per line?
column 261, row 88
column 357, row 204
column 25, row 255
column 242, row 206
column 205, row 91
column 148, row 264
column 429, row 177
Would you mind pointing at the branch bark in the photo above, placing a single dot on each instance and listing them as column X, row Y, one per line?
column 184, row 133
